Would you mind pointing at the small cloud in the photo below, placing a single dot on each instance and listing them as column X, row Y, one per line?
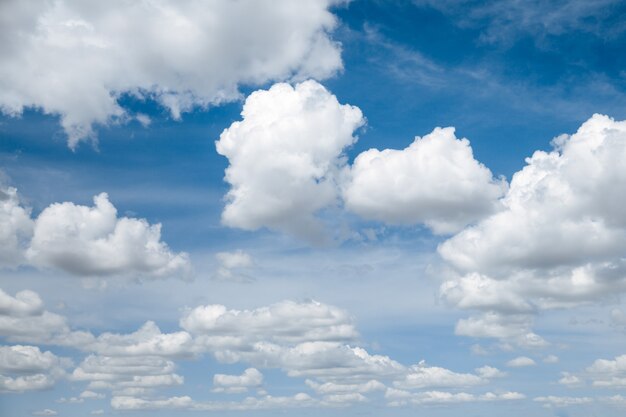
column 520, row 362
column 45, row 412
column 551, row 359
column 144, row 119
column 570, row 380
column 234, row 266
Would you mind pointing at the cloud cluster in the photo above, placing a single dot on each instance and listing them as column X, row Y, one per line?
column 558, row 240
column 308, row 340
column 85, row 241
column 24, row 319
column 180, row 53
column 287, row 164
column 26, row 368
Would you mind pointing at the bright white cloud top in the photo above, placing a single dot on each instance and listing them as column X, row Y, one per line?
column 181, row 53
column 87, row 241
column 285, row 157
column 558, row 240
column 434, row 181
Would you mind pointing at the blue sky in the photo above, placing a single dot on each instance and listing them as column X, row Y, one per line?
column 289, row 224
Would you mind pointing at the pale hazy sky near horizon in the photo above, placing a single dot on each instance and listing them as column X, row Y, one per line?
column 317, row 207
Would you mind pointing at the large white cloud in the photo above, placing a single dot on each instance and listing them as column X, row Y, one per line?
column 435, row 181
column 182, row 53
column 284, row 158
column 15, row 228
column 93, row 241
column 560, row 236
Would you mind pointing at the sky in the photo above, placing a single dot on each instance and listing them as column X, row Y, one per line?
column 307, row 208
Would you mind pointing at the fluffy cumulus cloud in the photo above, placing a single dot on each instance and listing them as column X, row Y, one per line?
column 24, row 319
column 560, row 236
column 180, row 53
column 285, row 156
column 147, row 340
column 15, row 228
column 607, row 373
column 93, row 241
column 84, row 241
column 235, row 384
column 26, row 368
column 286, row 321
column 435, row 181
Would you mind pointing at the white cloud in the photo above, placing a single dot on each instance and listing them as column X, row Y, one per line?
column 284, row 322
column 423, row 376
column 138, row 373
column 27, row 368
column 521, row 361
column 45, row 412
column 512, row 328
column 490, row 372
column 233, row 384
column 559, row 239
column 183, row 54
column 23, row 319
column 553, row 401
column 570, row 380
column 93, row 241
column 147, row 340
column 397, row 398
column 187, row 403
column 284, row 158
column 435, row 181
column 15, row 228
column 608, row 372
column 335, row 388
column 233, row 266
column 25, row 303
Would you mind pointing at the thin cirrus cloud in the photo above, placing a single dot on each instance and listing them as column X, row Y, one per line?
column 86, row 241
column 558, row 241
column 180, row 53
column 288, row 163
